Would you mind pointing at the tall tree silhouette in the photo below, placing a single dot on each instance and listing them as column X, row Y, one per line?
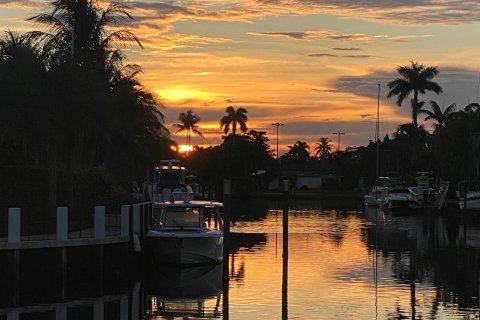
column 323, row 148
column 233, row 119
column 299, row 151
column 188, row 123
column 77, row 30
column 439, row 115
column 414, row 79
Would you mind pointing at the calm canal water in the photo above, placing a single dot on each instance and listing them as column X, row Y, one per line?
column 351, row 264
column 343, row 263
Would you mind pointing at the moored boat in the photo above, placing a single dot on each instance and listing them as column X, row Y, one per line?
column 186, row 232
column 421, row 196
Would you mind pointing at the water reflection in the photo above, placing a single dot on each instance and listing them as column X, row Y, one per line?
column 184, row 292
column 428, row 252
column 342, row 264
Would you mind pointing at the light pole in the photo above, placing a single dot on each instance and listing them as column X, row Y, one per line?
column 277, row 124
column 339, row 134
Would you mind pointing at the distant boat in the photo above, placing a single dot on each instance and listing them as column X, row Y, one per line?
column 186, row 232
column 421, row 196
column 377, row 196
column 468, row 194
column 424, row 196
column 399, row 198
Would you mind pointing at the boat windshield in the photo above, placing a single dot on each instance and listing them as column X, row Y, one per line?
column 182, row 218
column 171, row 177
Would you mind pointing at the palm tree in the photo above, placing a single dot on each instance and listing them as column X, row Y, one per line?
column 188, row 123
column 28, row 118
column 438, row 115
column 414, row 78
column 234, row 118
column 76, row 30
column 323, row 148
column 299, row 151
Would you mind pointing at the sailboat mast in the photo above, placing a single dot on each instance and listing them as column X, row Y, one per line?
column 377, row 128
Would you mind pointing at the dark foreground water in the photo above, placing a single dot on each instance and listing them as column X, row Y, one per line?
column 342, row 264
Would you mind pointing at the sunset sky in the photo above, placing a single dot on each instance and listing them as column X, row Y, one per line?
column 313, row 65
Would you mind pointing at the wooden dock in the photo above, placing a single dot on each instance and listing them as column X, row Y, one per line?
column 133, row 222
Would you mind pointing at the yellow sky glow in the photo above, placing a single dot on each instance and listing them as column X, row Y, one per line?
column 312, row 65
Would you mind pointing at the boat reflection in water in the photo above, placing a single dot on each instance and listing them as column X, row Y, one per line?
column 185, row 292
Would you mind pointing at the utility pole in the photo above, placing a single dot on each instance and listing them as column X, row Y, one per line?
column 277, row 124
column 339, row 134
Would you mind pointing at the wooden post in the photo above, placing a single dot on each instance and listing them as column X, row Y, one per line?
column 99, row 311
column 135, row 314
column 227, row 192
column 136, row 218
column 14, row 225
column 125, row 221
column 62, row 223
column 13, row 315
column 99, row 222
column 61, row 313
column 136, row 236
column 124, row 307
column 285, row 188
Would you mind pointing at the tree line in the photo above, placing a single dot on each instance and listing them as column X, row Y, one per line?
column 77, row 126
column 73, row 108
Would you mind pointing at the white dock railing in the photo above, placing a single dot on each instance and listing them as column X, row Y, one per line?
column 107, row 228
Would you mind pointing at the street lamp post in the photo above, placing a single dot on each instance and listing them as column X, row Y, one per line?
column 339, row 134
column 277, row 124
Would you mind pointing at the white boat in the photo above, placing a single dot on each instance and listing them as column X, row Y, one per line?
column 169, row 181
column 421, row 196
column 399, row 198
column 424, row 196
column 186, row 232
column 468, row 194
column 378, row 194
column 376, row 197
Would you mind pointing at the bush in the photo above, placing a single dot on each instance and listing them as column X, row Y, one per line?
column 95, row 186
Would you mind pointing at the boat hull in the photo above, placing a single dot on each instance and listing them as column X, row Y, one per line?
column 186, row 249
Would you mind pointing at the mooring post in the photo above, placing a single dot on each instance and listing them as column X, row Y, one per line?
column 13, row 315
column 15, row 276
column 135, row 312
column 125, row 220
column 62, row 235
column 227, row 198
column 62, row 223
column 99, row 222
column 99, row 311
column 136, row 236
column 136, row 218
column 14, row 234
column 14, row 225
column 285, row 189
column 61, row 313
column 124, row 307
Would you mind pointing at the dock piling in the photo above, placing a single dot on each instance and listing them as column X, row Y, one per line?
column 62, row 223
column 14, row 225
column 99, row 222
